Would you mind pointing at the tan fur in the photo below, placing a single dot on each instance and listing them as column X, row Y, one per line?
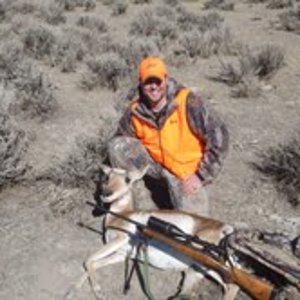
column 117, row 232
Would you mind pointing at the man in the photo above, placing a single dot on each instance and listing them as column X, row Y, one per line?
column 185, row 141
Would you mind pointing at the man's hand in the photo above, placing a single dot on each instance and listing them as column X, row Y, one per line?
column 191, row 184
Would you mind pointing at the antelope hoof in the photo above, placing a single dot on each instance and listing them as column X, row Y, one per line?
column 98, row 293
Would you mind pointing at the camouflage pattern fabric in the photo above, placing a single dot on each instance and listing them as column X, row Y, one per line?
column 273, row 250
column 204, row 121
column 128, row 153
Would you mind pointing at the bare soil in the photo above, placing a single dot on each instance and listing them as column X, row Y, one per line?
column 42, row 248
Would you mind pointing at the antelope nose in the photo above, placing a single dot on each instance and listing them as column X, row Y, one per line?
column 106, row 193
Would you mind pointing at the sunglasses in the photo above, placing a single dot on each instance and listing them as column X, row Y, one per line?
column 152, row 80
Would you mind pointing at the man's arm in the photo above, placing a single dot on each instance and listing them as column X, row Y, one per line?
column 208, row 126
column 125, row 126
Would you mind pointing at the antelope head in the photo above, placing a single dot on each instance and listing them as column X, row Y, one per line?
column 114, row 183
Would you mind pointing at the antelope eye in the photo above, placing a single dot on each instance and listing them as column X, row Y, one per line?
column 127, row 179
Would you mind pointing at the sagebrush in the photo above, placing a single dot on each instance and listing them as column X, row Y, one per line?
column 281, row 165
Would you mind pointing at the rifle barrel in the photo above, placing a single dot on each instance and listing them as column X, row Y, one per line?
column 255, row 287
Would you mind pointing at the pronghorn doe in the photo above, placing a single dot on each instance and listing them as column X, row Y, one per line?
column 122, row 237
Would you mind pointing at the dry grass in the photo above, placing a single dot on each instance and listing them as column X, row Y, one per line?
column 281, row 165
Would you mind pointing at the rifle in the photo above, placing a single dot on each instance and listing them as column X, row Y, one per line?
column 174, row 237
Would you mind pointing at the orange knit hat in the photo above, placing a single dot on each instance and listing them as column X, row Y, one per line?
column 152, row 67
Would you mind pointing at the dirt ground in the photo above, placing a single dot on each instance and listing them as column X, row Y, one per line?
column 42, row 252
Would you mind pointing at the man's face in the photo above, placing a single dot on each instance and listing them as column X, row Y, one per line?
column 155, row 89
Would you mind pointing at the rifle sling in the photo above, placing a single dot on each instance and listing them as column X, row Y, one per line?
column 257, row 288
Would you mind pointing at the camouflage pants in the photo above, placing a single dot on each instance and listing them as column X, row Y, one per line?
column 129, row 154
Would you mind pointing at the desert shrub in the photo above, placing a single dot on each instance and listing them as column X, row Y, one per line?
column 72, row 4
column 263, row 63
column 172, row 3
column 188, row 21
column 257, row 1
column 135, row 50
column 82, row 163
column 278, row 4
column 290, row 20
column 13, row 146
column 35, row 93
column 88, row 4
column 106, row 70
column 68, row 4
column 150, row 25
column 39, row 42
column 267, row 61
column 281, row 165
column 91, row 42
column 5, row 9
column 68, row 51
column 24, row 7
column 119, row 7
column 11, row 57
column 92, row 23
column 204, row 44
column 245, row 73
column 248, row 86
column 219, row 4
column 141, row 1
column 53, row 13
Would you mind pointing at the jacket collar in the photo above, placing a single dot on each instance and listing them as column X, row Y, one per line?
column 143, row 111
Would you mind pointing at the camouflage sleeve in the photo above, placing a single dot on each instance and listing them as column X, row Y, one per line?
column 125, row 126
column 208, row 126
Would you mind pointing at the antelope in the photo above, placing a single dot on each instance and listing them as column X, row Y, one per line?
column 122, row 237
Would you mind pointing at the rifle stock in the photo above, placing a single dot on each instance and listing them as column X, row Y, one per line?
column 255, row 287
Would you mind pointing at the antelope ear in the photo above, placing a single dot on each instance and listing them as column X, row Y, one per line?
column 136, row 175
column 106, row 169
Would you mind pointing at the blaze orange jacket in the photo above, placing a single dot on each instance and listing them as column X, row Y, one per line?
column 174, row 145
column 187, row 137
